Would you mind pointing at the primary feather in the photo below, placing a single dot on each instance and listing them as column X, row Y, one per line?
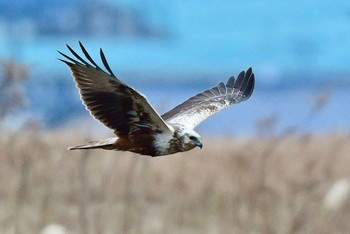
column 110, row 101
column 139, row 128
column 199, row 107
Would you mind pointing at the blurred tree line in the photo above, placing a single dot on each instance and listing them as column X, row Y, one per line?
column 12, row 95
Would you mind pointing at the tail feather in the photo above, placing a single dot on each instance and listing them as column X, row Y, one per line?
column 107, row 144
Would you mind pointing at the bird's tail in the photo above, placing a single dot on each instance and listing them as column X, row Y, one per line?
column 107, row 144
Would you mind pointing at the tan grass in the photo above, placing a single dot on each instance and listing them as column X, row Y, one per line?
column 232, row 185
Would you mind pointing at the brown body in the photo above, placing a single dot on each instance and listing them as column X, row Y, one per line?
column 137, row 125
column 141, row 146
column 145, row 144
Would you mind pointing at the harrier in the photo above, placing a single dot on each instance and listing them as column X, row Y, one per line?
column 136, row 124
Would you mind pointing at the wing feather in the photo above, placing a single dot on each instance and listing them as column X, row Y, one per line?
column 109, row 100
column 222, row 88
column 199, row 107
column 230, row 82
column 87, row 55
column 105, row 63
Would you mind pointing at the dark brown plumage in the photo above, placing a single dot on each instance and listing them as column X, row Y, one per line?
column 139, row 128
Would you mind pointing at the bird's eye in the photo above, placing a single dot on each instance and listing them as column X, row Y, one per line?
column 192, row 138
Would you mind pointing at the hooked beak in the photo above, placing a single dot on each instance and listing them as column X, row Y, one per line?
column 199, row 144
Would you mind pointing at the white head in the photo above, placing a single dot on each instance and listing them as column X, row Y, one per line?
column 190, row 138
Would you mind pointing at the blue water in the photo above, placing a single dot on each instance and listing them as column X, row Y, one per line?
column 298, row 50
column 274, row 37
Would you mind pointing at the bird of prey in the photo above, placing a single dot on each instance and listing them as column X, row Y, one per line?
column 136, row 124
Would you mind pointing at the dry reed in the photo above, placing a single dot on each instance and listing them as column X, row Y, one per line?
column 233, row 185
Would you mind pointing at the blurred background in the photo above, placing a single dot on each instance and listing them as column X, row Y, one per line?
column 298, row 50
column 288, row 143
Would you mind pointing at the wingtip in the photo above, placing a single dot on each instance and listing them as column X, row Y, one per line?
column 245, row 82
column 73, row 148
column 236, row 83
column 69, row 48
column 230, row 82
column 105, row 63
column 102, row 54
column 66, row 62
column 248, row 73
column 250, row 86
column 82, row 47
column 61, row 53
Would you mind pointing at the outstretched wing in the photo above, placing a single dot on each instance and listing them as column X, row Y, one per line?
column 109, row 100
column 199, row 107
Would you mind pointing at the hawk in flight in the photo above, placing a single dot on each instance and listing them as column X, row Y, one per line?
column 136, row 124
